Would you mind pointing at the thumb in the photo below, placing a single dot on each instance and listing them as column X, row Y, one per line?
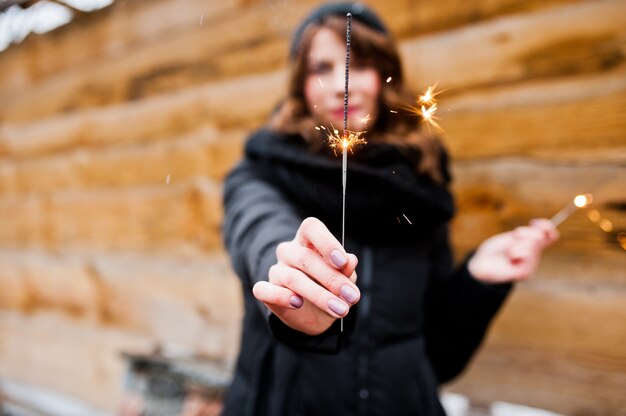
column 350, row 267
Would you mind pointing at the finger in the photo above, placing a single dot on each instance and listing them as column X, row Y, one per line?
column 300, row 283
column 313, row 265
column 551, row 233
column 519, row 273
column 313, row 232
column 530, row 234
column 520, row 253
column 277, row 295
column 522, row 249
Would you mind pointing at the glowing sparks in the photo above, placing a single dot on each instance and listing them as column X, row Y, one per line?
column 428, row 98
column 621, row 239
column 426, row 107
column 366, row 119
column 594, row 215
column 347, row 141
column 388, row 80
column 321, row 83
column 407, row 218
column 428, row 114
column 606, row 225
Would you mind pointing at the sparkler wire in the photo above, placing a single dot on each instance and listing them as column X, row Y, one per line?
column 344, row 164
column 562, row 215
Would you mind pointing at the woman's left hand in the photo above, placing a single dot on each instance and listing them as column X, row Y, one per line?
column 513, row 255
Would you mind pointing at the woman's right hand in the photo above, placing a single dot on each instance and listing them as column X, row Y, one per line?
column 313, row 282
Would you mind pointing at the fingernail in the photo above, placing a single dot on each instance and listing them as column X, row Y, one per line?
column 296, row 301
column 348, row 293
column 338, row 259
column 338, row 307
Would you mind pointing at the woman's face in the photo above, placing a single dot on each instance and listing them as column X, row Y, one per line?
column 325, row 84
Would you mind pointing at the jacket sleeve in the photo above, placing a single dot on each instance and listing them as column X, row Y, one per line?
column 258, row 217
column 459, row 309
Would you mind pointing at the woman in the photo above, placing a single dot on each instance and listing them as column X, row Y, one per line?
column 411, row 321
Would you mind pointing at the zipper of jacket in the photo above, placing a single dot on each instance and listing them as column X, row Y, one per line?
column 363, row 357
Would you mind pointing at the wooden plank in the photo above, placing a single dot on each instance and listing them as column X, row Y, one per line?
column 110, row 34
column 557, row 349
column 408, row 19
column 183, row 216
column 539, row 118
column 258, row 34
column 193, row 57
column 572, row 39
column 135, row 302
column 68, row 342
column 205, row 153
column 129, row 290
column 588, row 270
column 124, row 26
column 242, row 102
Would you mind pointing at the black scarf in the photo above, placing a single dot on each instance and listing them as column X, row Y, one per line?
column 385, row 198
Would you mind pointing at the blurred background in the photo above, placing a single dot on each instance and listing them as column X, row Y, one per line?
column 118, row 126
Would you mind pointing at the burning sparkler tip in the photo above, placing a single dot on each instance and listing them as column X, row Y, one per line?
column 582, row 201
column 579, row 201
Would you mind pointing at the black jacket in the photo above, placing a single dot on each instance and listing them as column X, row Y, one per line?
column 416, row 326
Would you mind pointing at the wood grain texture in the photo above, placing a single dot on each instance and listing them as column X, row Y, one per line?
column 237, row 103
column 540, row 118
column 551, row 42
column 562, row 351
column 207, row 153
column 116, row 130
column 255, row 38
column 496, row 195
column 177, row 217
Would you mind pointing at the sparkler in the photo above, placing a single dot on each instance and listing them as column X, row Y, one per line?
column 345, row 142
column 580, row 201
column 348, row 139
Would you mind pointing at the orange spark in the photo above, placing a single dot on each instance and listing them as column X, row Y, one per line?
column 343, row 141
column 426, row 107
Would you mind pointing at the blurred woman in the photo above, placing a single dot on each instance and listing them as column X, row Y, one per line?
column 411, row 320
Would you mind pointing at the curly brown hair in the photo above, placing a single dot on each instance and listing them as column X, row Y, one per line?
column 394, row 124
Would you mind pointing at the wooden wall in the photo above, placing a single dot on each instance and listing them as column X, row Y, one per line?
column 116, row 130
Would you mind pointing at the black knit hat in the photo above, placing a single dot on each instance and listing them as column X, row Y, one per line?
column 359, row 12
